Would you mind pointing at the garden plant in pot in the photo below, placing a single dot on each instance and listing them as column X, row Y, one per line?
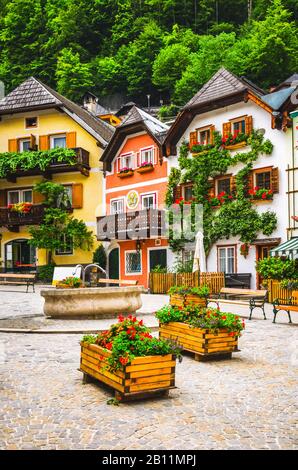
column 187, row 296
column 130, row 360
column 206, row 332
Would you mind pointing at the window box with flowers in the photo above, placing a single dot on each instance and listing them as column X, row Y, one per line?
column 220, row 199
column 260, row 194
column 235, row 141
column 206, row 332
column 130, row 360
column 20, row 207
column 200, row 149
column 145, row 167
column 125, row 172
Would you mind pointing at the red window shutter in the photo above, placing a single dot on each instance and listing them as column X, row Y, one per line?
column 3, row 199
column 12, row 145
column 193, row 138
column 44, row 142
column 275, row 180
column 226, row 129
column 77, row 196
column 248, row 125
column 71, row 140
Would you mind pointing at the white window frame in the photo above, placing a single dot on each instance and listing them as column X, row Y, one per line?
column 118, row 199
column 145, row 195
column 57, row 136
column 141, row 155
column 20, row 192
column 64, row 253
column 201, row 130
column 120, row 164
column 226, row 247
column 31, row 127
column 21, row 143
column 141, row 264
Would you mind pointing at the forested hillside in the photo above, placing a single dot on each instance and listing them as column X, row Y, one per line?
column 165, row 48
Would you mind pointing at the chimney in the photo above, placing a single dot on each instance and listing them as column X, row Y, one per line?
column 90, row 102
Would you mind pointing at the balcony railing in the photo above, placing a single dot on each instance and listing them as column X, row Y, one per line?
column 9, row 218
column 81, row 165
column 148, row 223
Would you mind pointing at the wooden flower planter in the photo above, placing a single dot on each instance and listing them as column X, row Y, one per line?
column 145, row 375
column 179, row 300
column 125, row 174
column 239, row 145
column 203, row 344
column 145, row 169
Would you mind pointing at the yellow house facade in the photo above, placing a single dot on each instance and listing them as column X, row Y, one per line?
column 35, row 117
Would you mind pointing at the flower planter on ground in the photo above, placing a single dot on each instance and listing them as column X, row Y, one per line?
column 177, row 300
column 191, row 299
column 125, row 174
column 188, row 296
column 147, row 374
column 200, row 341
column 145, row 169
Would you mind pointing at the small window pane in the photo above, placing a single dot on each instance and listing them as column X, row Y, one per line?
column 263, row 180
column 133, row 263
column 31, row 122
column 224, row 185
column 27, row 195
column 205, row 137
column 147, row 156
column 188, row 193
column 239, row 126
column 117, row 206
column 24, row 145
column 13, row 197
column 148, row 202
column 67, row 246
column 59, row 142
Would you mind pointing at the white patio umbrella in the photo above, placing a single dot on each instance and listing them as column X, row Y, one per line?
column 199, row 262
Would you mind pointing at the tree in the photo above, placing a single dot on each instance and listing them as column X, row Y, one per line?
column 203, row 64
column 58, row 229
column 169, row 66
column 73, row 77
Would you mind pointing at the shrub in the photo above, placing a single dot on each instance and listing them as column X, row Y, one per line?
column 100, row 257
column 277, row 268
column 46, row 272
column 202, row 291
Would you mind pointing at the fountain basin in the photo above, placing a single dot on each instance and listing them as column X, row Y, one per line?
column 97, row 302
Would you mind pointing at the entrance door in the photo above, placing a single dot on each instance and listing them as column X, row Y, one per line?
column 19, row 256
column 114, row 264
column 263, row 251
column 157, row 258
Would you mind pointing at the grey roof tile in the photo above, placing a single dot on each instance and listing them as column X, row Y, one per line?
column 223, row 83
column 33, row 94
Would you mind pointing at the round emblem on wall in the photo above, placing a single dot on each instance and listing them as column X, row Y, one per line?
column 132, row 199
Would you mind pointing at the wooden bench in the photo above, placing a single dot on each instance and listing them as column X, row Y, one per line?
column 252, row 298
column 287, row 305
column 117, row 281
column 18, row 279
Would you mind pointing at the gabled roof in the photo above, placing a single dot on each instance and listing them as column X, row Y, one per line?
column 137, row 120
column 138, row 115
column 290, row 81
column 223, row 83
column 33, row 94
column 223, row 89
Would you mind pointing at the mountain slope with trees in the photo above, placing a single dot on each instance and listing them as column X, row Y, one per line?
column 131, row 48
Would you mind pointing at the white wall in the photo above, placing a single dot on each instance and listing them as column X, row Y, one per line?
column 279, row 158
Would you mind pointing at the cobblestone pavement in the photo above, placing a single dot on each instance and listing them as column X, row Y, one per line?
column 249, row 402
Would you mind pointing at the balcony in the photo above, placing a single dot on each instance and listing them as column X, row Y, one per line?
column 148, row 223
column 81, row 165
column 13, row 220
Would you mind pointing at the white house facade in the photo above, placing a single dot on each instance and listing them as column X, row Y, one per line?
column 230, row 104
